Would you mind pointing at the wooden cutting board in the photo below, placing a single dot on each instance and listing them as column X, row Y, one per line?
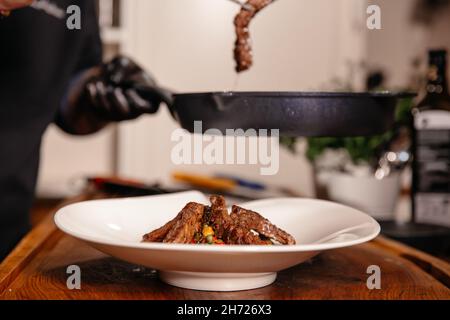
column 37, row 270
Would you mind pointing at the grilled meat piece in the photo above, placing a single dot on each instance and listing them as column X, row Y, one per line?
column 182, row 228
column 207, row 215
column 242, row 227
column 243, row 49
column 220, row 219
column 252, row 220
column 189, row 223
column 236, row 234
column 227, row 229
column 158, row 235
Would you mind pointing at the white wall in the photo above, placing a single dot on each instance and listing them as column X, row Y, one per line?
column 400, row 41
column 394, row 47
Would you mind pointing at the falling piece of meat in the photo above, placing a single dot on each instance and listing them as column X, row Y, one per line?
column 248, row 219
column 243, row 49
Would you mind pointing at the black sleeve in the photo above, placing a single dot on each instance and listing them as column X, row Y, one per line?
column 90, row 55
column 92, row 52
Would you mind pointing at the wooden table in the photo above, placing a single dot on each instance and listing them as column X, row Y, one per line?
column 37, row 270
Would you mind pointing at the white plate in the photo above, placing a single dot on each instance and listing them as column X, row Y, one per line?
column 116, row 226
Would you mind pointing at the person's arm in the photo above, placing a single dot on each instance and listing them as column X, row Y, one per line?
column 103, row 93
column 7, row 5
column 116, row 91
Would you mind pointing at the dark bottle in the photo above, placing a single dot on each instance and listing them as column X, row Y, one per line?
column 431, row 147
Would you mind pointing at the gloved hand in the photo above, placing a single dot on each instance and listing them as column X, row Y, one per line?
column 123, row 91
column 116, row 91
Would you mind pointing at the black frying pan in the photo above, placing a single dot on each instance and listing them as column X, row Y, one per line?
column 293, row 113
column 309, row 114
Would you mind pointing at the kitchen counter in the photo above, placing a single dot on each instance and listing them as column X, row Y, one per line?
column 36, row 269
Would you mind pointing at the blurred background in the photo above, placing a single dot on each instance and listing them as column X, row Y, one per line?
column 299, row 45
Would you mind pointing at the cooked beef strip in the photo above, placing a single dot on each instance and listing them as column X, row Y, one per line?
column 236, row 234
column 207, row 215
column 252, row 220
column 158, row 235
column 238, row 228
column 227, row 229
column 220, row 219
column 243, row 49
column 183, row 227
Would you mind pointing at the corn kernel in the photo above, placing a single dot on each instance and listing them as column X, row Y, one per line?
column 207, row 231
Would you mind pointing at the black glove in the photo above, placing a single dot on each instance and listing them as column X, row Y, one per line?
column 123, row 91
column 116, row 91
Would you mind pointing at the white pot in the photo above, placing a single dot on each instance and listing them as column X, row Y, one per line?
column 375, row 197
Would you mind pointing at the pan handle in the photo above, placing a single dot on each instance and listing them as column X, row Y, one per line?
column 163, row 94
